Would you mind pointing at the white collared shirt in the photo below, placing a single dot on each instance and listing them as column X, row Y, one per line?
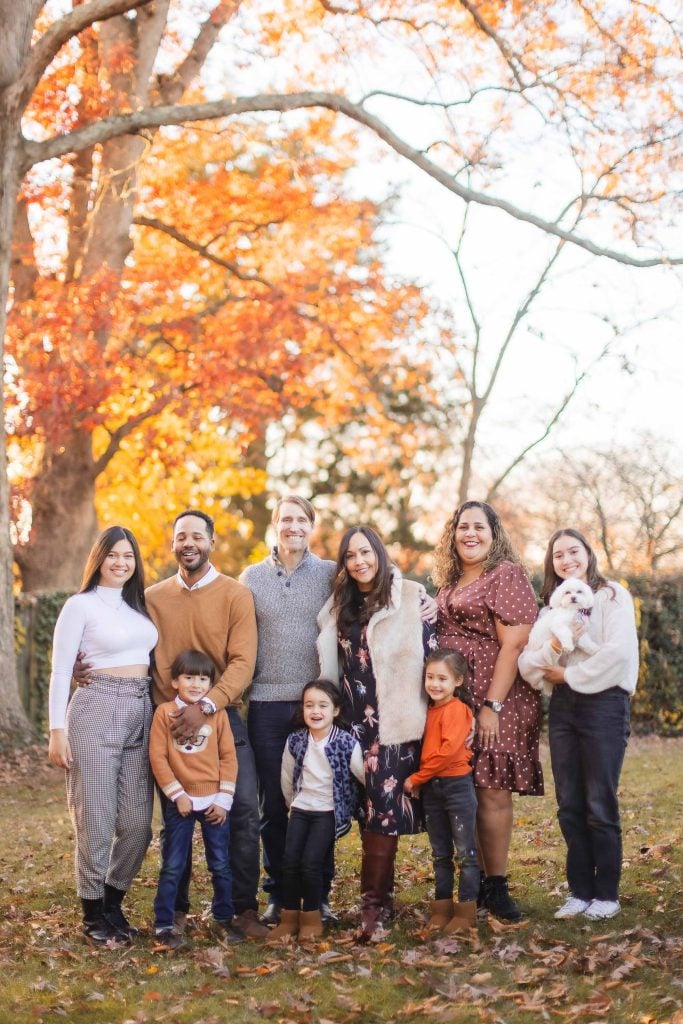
column 207, row 578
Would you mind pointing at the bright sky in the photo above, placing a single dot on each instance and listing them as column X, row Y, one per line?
column 636, row 388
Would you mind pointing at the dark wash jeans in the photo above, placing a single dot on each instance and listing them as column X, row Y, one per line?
column 244, row 828
column 450, row 807
column 269, row 724
column 176, row 844
column 588, row 735
column 310, row 836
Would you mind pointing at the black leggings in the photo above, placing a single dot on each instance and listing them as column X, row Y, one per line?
column 310, row 838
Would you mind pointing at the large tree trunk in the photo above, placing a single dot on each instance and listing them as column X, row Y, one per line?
column 64, row 524
column 14, row 725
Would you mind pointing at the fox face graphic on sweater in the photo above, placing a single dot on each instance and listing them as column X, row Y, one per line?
column 196, row 742
column 202, row 766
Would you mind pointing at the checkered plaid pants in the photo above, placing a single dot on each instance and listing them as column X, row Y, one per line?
column 109, row 787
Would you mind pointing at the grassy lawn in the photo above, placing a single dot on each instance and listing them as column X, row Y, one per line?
column 629, row 969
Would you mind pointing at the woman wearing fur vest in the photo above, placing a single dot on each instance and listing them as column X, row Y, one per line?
column 373, row 638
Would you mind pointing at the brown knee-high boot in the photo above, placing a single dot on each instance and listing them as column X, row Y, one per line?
column 376, row 878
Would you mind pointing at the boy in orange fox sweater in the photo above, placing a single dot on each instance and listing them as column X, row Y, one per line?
column 198, row 778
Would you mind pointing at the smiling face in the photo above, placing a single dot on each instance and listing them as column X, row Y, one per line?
column 293, row 529
column 473, row 537
column 319, row 712
column 440, row 683
column 118, row 565
column 191, row 688
column 570, row 558
column 361, row 562
column 192, row 546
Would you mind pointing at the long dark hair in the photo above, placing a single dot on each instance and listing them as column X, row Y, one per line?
column 447, row 567
column 332, row 691
column 457, row 664
column 594, row 579
column 133, row 592
column 348, row 604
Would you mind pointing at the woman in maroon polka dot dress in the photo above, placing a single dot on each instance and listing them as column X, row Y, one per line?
column 486, row 610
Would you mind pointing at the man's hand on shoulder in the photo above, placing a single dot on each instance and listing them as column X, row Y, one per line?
column 81, row 670
column 186, row 722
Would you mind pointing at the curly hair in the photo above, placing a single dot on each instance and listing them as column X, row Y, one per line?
column 595, row 580
column 348, row 605
column 447, row 567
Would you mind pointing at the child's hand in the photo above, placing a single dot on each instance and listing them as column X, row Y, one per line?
column 216, row 815
column 184, row 805
column 409, row 788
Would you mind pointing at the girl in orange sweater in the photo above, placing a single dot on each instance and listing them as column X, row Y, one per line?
column 448, row 796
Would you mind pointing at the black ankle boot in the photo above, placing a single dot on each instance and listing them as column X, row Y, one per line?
column 481, row 895
column 113, row 899
column 96, row 927
column 498, row 901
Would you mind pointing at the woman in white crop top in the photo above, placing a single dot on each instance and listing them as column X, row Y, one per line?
column 101, row 735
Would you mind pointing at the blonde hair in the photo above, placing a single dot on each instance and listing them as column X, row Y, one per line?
column 447, row 567
column 294, row 499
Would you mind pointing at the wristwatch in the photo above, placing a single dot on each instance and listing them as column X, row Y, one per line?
column 495, row 705
column 207, row 707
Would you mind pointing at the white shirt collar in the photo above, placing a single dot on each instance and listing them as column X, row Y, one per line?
column 207, row 578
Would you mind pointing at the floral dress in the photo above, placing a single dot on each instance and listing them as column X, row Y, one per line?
column 387, row 809
column 467, row 623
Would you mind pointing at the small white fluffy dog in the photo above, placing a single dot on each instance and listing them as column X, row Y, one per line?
column 565, row 603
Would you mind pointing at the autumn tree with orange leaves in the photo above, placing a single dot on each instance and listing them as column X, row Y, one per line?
column 222, row 272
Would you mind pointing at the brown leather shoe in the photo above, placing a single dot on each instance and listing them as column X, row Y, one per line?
column 248, row 923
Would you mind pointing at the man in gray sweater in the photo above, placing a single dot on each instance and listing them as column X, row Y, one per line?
column 289, row 587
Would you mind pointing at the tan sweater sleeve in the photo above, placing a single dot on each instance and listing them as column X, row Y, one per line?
column 240, row 651
column 158, row 754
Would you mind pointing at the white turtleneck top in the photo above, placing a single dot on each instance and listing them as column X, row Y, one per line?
column 108, row 631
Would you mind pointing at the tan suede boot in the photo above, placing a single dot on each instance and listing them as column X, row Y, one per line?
column 288, row 926
column 464, row 917
column 440, row 913
column 310, row 925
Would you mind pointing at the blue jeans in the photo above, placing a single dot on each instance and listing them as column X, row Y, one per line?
column 450, row 807
column 269, row 724
column 176, row 845
column 244, row 826
column 588, row 735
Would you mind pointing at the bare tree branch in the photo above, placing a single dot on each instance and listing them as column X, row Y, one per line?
column 203, row 251
column 49, row 44
column 171, row 87
column 154, row 117
column 549, row 425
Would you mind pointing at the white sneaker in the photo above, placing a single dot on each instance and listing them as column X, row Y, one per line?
column 600, row 910
column 572, row 907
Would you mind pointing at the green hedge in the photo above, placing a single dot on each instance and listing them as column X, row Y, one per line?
column 658, row 701
column 657, row 705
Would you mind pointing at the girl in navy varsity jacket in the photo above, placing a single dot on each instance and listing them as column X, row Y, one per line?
column 320, row 766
